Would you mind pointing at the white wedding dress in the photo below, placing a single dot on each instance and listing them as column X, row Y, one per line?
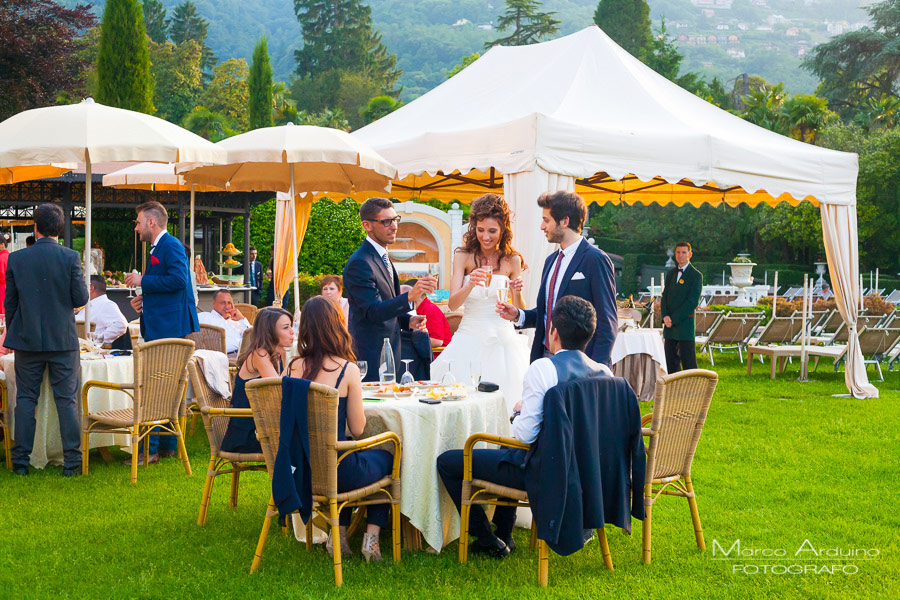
column 486, row 339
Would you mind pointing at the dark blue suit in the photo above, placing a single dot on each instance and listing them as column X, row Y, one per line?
column 168, row 309
column 377, row 308
column 597, row 287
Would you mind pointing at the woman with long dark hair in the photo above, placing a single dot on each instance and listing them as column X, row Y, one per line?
column 264, row 357
column 485, row 268
column 325, row 355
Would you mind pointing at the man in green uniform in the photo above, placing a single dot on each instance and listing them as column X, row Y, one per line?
column 679, row 301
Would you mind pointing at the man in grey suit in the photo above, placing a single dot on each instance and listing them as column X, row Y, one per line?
column 44, row 284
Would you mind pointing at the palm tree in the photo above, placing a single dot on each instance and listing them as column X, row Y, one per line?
column 805, row 114
column 207, row 124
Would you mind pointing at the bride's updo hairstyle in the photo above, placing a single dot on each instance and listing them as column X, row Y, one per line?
column 489, row 206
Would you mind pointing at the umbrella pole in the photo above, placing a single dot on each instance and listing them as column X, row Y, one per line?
column 192, row 227
column 87, row 239
column 296, row 251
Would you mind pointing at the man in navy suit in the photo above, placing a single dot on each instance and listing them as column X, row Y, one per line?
column 377, row 308
column 256, row 275
column 166, row 303
column 576, row 269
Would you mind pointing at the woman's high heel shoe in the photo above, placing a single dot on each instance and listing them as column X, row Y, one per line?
column 345, row 546
column 370, row 548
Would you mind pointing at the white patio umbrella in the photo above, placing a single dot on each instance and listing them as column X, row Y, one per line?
column 90, row 132
column 298, row 160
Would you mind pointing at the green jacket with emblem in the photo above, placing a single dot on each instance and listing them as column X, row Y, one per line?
column 679, row 301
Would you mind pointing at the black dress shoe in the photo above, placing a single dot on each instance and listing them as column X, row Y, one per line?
column 71, row 471
column 20, row 469
column 510, row 542
column 489, row 546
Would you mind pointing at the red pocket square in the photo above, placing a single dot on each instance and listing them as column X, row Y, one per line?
column 154, row 260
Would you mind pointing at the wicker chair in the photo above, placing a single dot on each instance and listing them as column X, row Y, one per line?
column 679, row 411
column 479, row 491
column 327, row 452
column 210, row 337
column 217, row 412
column 79, row 329
column 248, row 310
column 160, row 379
column 4, row 423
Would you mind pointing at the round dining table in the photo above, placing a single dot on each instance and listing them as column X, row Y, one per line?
column 639, row 356
column 427, row 430
column 47, row 439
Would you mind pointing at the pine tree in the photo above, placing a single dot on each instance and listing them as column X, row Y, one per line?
column 259, row 85
column 123, row 62
column 627, row 22
column 340, row 46
column 187, row 24
column 528, row 23
column 155, row 20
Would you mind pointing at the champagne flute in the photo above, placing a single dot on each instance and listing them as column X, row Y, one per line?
column 502, row 289
column 132, row 288
column 488, row 271
column 448, row 379
column 475, row 372
column 363, row 368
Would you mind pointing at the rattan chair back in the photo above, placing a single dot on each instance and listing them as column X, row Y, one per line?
column 79, row 329
column 210, row 337
column 248, row 310
column 735, row 328
column 205, row 397
column 245, row 340
column 160, row 378
column 265, row 401
column 704, row 320
column 781, row 330
column 679, row 412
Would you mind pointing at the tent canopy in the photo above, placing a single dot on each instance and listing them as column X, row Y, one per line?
column 581, row 106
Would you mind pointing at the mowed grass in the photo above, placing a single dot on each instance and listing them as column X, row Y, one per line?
column 779, row 463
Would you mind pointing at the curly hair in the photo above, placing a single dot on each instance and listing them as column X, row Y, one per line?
column 489, row 206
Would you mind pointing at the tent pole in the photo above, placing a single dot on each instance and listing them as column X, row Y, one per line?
column 191, row 234
column 804, row 367
column 296, row 251
column 87, row 239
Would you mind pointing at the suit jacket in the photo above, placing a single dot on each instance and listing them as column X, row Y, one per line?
column 292, row 473
column 256, row 274
column 377, row 308
column 45, row 283
column 580, row 469
column 597, row 287
column 169, row 310
column 679, row 300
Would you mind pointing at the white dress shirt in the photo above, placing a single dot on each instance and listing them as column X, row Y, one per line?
column 539, row 378
column 568, row 253
column 105, row 314
column 233, row 329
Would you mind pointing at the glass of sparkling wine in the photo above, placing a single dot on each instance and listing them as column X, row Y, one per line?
column 131, row 289
column 502, row 290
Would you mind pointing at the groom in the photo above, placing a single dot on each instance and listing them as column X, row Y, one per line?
column 377, row 308
column 576, row 269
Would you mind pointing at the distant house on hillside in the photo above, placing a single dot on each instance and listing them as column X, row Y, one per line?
column 792, row 32
column 733, row 39
column 735, row 53
column 708, row 13
column 462, row 22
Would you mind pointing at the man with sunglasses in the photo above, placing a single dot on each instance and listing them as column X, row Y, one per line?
column 377, row 308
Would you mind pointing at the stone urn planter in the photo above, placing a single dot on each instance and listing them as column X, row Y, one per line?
column 741, row 278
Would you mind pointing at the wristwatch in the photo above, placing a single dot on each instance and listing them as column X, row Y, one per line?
column 515, row 414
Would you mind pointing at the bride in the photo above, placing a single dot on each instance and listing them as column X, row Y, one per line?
column 484, row 268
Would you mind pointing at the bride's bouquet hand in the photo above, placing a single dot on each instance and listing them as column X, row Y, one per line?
column 507, row 311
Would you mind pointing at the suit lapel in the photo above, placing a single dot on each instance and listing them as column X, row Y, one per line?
column 392, row 282
column 573, row 267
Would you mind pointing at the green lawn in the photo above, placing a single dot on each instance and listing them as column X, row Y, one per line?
column 779, row 463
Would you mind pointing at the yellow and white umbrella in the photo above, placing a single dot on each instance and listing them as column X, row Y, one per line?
column 299, row 160
column 88, row 132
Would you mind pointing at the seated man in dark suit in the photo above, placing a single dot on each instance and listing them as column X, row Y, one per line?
column 572, row 326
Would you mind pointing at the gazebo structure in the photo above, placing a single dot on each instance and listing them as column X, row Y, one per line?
column 580, row 113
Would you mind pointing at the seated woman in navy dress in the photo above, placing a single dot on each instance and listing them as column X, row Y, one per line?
column 264, row 357
column 325, row 355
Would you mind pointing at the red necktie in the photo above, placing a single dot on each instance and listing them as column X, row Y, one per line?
column 551, row 293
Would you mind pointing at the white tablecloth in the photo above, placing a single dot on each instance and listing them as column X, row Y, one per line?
column 639, row 341
column 425, row 432
column 47, row 440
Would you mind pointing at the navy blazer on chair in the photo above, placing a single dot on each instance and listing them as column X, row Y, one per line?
column 168, row 310
column 598, row 286
column 377, row 308
column 580, row 469
column 292, row 474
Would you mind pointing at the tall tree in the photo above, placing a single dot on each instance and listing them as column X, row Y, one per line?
column 39, row 55
column 155, row 20
column 187, row 24
column 339, row 40
column 805, row 115
column 259, row 86
column 123, row 62
column 179, row 80
column 627, row 22
column 528, row 24
column 227, row 94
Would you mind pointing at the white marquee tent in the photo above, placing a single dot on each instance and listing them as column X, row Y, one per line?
column 579, row 113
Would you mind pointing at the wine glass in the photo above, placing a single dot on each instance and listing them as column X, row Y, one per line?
column 363, row 368
column 448, row 379
column 97, row 343
column 488, row 271
column 407, row 377
column 131, row 288
column 502, row 289
column 475, row 372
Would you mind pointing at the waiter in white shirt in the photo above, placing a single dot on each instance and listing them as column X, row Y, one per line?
column 106, row 315
column 226, row 316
